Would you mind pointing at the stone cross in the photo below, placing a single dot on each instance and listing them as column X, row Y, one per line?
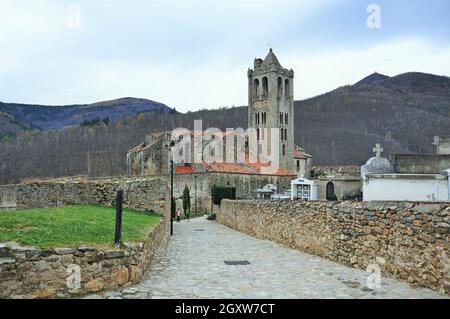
column 378, row 150
column 436, row 141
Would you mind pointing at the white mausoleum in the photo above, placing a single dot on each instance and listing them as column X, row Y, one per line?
column 408, row 177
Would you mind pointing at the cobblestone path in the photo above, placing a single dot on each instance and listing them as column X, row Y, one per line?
column 191, row 265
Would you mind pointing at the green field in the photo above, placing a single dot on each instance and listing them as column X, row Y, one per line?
column 72, row 226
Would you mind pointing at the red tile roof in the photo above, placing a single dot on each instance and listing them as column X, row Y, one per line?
column 184, row 170
column 246, row 168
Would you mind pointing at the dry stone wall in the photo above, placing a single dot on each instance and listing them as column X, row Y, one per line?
column 28, row 272
column 408, row 241
column 143, row 194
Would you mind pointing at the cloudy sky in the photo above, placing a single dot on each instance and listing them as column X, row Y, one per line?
column 193, row 54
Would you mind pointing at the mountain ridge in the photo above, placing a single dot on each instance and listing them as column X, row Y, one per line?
column 54, row 117
column 339, row 127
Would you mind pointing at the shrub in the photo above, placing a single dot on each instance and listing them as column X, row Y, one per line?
column 220, row 192
column 186, row 200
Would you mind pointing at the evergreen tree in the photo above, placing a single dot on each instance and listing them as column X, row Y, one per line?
column 186, row 201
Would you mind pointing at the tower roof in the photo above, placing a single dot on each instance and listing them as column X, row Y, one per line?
column 271, row 59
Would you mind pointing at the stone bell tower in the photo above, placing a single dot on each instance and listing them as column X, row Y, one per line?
column 271, row 104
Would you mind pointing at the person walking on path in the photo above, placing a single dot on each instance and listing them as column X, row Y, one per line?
column 178, row 214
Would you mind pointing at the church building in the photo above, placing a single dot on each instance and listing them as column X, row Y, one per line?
column 270, row 115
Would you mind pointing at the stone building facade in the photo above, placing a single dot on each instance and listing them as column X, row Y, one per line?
column 338, row 182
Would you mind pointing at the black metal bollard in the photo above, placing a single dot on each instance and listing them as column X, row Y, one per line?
column 119, row 202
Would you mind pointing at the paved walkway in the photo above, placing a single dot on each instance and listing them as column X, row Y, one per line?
column 191, row 265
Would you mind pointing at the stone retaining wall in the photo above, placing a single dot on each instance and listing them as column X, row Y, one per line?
column 408, row 241
column 27, row 272
column 144, row 194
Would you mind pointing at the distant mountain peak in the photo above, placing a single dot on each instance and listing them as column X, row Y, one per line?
column 373, row 78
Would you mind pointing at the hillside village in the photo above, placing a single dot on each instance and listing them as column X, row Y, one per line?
column 389, row 215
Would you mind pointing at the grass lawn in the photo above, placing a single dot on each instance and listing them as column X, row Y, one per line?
column 72, row 226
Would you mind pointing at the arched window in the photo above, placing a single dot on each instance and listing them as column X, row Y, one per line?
column 285, row 134
column 256, row 88
column 284, row 150
column 287, row 88
column 280, row 87
column 286, row 118
column 265, row 86
column 282, row 133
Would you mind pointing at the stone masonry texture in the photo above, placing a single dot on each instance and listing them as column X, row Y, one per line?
column 29, row 272
column 143, row 194
column 407, row 241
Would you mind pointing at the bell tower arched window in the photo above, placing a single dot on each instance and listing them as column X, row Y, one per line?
column 287, row 88
column 280, row 87
column 256, row 88
column 265, row 83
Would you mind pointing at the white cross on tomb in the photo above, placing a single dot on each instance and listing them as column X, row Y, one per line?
column 378, row 150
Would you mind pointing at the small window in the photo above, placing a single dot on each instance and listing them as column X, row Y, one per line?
column 284, row 150
column 286, row 118
column 298, row 164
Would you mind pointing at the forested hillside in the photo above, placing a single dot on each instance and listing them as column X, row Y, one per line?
column 403, row 113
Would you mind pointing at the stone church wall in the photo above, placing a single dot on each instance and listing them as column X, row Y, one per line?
column 245, row 185
column 408, row 241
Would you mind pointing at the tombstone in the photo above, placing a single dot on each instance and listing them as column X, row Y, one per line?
column 266, row 192
column 377, row 164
